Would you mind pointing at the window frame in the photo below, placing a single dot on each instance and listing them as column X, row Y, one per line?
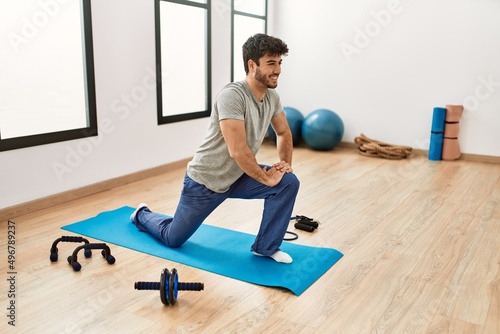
column 65, row 135
column 159, row 87
column 250, row 15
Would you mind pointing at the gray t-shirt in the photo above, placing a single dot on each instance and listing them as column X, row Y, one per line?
column 212, row 166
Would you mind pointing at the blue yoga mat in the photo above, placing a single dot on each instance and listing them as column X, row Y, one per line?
column 218, row 250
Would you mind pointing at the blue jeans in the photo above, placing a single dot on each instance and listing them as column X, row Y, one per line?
column 197, row 202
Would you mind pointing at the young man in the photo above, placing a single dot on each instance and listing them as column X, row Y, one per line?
column 225, row 166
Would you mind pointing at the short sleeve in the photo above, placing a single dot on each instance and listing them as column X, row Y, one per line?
column 230, row 104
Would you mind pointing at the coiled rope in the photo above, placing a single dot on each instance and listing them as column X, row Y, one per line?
column 374, row 148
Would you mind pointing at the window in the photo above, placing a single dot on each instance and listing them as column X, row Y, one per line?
column 249, row 18
column 47, row 74
column 182, row 59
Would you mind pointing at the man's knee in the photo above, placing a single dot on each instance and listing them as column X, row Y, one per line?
column 175, row 242
column 291, row 180
column 178, row 233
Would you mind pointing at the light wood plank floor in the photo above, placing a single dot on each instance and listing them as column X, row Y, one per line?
column 421, row 244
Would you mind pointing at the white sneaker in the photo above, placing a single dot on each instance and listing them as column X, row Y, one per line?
column 279, row 256
column 134, row 214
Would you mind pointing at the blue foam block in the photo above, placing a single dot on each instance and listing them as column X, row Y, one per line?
column 218, row 250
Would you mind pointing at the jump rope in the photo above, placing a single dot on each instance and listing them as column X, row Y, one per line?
column 303, row 223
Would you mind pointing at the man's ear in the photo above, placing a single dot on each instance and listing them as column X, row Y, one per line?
column 251, row 65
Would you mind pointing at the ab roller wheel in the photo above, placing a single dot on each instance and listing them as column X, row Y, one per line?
column 169, row 286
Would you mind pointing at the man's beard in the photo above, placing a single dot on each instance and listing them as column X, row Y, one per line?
column 264, row 80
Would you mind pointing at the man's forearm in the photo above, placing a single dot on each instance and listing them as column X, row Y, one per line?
column 285, row 148
column 247, row 162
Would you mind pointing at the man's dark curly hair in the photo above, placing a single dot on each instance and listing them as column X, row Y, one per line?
column 259, row 45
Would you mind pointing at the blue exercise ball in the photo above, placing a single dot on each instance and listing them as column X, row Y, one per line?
column 295, row 119
column 322, row 129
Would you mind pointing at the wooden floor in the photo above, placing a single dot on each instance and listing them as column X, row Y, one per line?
column 421, row 244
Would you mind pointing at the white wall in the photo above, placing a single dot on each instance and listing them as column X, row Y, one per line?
column 409, row 57
column 129, row 138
